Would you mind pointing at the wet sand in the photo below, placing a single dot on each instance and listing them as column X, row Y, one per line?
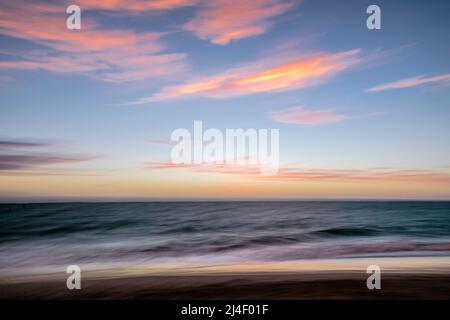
column 239, row 286
column 401, row 278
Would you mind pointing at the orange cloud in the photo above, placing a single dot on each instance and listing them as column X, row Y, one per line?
column 410, row 82
column 266, row 76
column 362, row 175
column 304, row 174
column 225, row 168
column 299, row 115
column 94, row 51
column 221, row 21
column 134, row 5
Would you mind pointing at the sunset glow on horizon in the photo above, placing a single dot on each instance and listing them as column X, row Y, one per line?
column 88, row 114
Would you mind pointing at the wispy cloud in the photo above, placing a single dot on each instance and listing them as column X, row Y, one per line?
column 134, row 5
column 225, row 168
column 28, row 161
column 18, row 155
column 99, row 52
column 263, row 76
column 296, row 173
column 410, row 82
column 361, row 175
column 12, row 144
column 221, row 21
column 95, row 51
column 300, row 115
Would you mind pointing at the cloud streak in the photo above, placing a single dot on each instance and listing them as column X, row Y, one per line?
column 411, row 82
column 26, row 161
column 261, row 77
column 12, row 144
column 295, row 173
column 15, row 155
column 135, row 5
column 94, row 51
column 300, row 115
column 99, row 52
column 222, row 21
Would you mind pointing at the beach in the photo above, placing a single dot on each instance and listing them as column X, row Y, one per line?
column 226, row 250
column 267, row 286
column 425, row 280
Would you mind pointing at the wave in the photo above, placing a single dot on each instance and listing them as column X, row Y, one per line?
column 75, row 233
column 348, row 232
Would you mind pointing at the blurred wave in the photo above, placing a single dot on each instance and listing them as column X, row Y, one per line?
column 204, row 233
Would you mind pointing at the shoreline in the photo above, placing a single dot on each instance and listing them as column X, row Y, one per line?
column 401, row 278
column 234, row 287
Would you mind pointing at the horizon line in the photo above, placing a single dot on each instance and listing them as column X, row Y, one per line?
column 150, row 200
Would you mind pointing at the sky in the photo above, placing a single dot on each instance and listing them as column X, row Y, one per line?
column 88, row 114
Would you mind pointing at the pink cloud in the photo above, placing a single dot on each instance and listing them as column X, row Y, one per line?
column 299, row 115
column 221, row 21
column 94, row 51
column 135, row 5
column 410, row 82
column 270, row 75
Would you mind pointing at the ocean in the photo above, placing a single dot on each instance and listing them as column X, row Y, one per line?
column 50, row 235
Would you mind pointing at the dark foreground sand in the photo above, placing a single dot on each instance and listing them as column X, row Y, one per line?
column 338, row 285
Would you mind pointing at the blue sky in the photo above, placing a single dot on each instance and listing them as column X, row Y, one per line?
column 83, row 108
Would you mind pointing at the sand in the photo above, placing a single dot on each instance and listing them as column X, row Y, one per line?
column 239, row 286
column 401, row 278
